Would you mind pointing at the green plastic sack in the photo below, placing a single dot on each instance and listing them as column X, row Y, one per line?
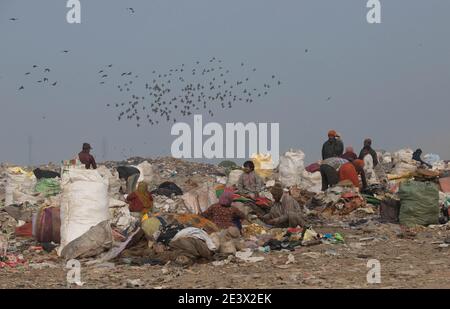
column 48, row 186
column 419, row 203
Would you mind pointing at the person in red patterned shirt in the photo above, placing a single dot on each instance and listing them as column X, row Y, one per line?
column 223, row 214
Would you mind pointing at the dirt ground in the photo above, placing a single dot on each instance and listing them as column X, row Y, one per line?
column 416, row 259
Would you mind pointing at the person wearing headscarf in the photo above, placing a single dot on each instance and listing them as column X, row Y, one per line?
column 333, row 147
column 349, row 154
column 285, row 211
column 249, row 182
column 351, row 172
column 366, row 150
column 223, row 214
column 86, row 158
column 140, row 200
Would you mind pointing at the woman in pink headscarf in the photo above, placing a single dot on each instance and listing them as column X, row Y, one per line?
column 349, row 154
column 223, row 214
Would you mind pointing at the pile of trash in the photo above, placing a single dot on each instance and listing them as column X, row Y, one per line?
column 83, row 214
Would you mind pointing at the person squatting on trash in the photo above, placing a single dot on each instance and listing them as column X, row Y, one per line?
column 333, row 147
column 131, row 175
column 285, row 211
column 417, row 157
column 249, row 183
column 140, row 200
column 223, row 214
column 86, row 158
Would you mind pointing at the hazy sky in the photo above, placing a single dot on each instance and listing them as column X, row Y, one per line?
column 389, row 81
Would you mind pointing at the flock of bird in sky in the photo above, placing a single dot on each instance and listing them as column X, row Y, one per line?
column 176, row 92
column 182, row 90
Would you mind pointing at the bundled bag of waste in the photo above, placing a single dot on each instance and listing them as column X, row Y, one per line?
column 48, row 186
column 199, row 199
column 419, row 203
column 84, row 203
column 95, row 241
column 19, row 187
column 146, row 172
column 263, row 164
column 291, row 167
column 403, row 162
column 47, row 225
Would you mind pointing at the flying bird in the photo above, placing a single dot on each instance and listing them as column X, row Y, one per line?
column 65, row 51
column 131, row 10
column 47, row 70
column 54, row 84
column 13, row 19
column 21, row 88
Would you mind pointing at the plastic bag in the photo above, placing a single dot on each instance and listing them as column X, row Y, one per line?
column 96, row 240
column 263, row 164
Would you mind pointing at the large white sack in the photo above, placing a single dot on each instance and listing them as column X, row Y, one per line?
column 199, row 199
column 19, row 188
column 84, row 203
column 403, row 155
column 233, row 177
column 403, row 168
column 147, row 173
column 386, row 158
column 311, row 182
column 291, row 167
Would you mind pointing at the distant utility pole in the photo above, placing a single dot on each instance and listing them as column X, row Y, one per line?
column 104, row 148
column 30, row 150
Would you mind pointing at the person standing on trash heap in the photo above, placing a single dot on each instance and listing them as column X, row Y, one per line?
column 250, row 184
column 349, row 154
column 351, row 171
column 333, row 147
column 86, row 158
column 417, row 157
column 131, row 175
column 329, row 171
column 285, row 211
column 223, row 214
column 140, row 200
column 366, row 150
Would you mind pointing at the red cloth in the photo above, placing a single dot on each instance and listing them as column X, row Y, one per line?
column 348, row 172
column 135, row 203
column 223, row 216
column 312, row 168
column 25, row 230
column 87, row 159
